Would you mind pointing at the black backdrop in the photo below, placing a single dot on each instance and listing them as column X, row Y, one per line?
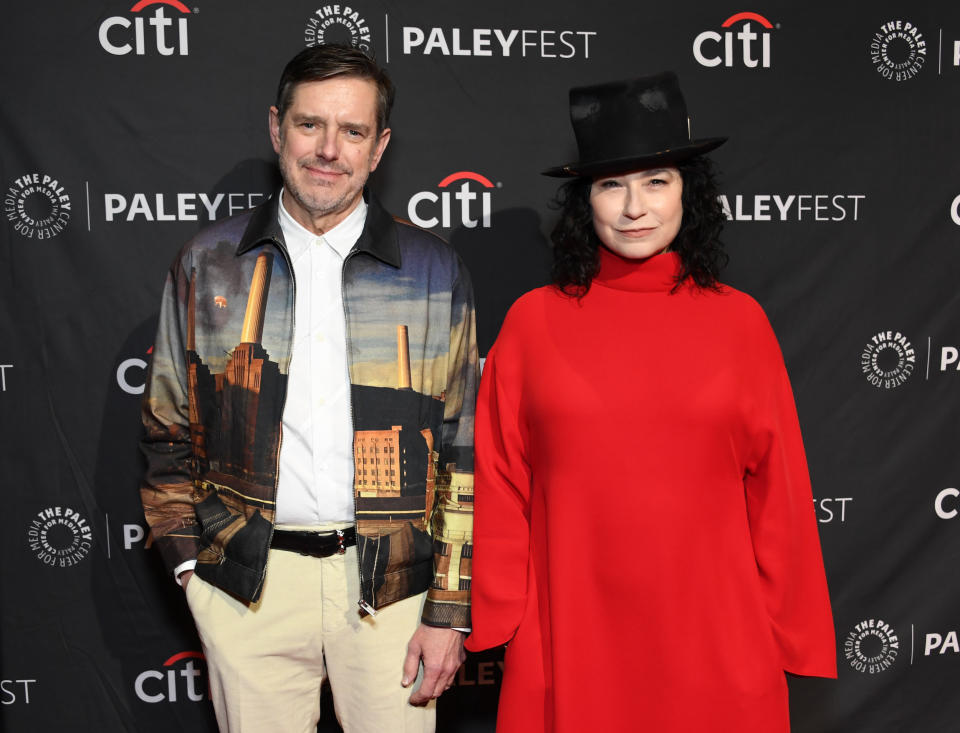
column 126, row 127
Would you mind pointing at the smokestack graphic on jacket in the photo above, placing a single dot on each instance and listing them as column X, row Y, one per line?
column 380, row 456
column 200, row 382
column 252, row 331
column 403, row 358
column 227, row 419
column 250, row 426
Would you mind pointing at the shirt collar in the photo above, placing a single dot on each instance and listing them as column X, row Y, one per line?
column 341, row 238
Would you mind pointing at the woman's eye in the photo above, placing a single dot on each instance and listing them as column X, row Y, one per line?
column 610, row 183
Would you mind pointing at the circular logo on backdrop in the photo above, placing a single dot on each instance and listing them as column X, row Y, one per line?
column 872, row 646
column 898, row 50
column 38, row 206
column 337, row 24
column 60, row 537
column 888, row 359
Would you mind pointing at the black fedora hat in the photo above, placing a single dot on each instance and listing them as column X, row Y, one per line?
column 631, row 124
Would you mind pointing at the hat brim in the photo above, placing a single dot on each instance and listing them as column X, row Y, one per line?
column 634, row 162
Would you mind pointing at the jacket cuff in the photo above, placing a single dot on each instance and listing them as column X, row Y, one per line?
column 178, row 547
column 448, row 614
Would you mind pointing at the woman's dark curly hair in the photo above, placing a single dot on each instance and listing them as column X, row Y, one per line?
column 576, row 258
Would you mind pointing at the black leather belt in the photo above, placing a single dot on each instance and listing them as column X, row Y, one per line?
column 314, row 544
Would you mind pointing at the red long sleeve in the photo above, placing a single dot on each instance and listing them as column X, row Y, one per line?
column 644, row 532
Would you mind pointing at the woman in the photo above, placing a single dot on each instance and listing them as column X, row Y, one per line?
column 645, row 538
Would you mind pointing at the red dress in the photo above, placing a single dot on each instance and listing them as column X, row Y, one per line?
column 645, row 536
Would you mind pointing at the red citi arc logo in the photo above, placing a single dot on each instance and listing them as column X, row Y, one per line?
column 711, row 48
column 123, row 42
column 421, row 209
column 168, row 684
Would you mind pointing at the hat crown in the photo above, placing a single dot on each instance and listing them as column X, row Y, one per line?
column 633, row 118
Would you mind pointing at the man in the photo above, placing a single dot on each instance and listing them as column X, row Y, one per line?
column 309, row 417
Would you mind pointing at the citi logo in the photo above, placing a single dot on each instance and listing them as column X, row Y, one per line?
column 131, row 374
column 473, row 209
column 117, row 38
column 712, row 49
column 166, row 685
column 945, row 505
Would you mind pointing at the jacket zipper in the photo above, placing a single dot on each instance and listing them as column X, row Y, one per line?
column 276, row 472
column 367, row 607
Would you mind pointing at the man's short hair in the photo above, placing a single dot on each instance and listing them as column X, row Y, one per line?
column 330, row 60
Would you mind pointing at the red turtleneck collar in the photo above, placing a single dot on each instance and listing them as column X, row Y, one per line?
column 657, row 273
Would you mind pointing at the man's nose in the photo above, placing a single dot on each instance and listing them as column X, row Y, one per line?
column 328, row 145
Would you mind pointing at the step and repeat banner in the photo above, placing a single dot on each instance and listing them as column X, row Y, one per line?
column 126, row 126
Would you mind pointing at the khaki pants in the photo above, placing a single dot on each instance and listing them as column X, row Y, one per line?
column 266, row 660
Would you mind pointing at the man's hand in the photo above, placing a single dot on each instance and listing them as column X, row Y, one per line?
column 185, row 578
column 442, row 652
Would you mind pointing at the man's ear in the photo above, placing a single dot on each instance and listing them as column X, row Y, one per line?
column 274, row 123
column 378, row 150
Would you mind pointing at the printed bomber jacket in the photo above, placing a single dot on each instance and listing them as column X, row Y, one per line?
column 216, row 389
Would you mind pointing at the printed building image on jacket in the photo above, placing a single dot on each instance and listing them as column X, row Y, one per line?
column 217, row 387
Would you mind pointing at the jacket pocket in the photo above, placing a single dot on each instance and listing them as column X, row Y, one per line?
column 213, row 517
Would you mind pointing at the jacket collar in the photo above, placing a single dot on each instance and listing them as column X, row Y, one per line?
column 378, row 238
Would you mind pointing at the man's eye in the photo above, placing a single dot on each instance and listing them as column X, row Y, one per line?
column 307, row 125
column 354, row 133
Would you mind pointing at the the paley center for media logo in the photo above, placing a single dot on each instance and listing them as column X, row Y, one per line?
column 888, row 359
column 60, row 536
column 872, row 646
column 343, row 24
column 38, row 206
column 898, row 50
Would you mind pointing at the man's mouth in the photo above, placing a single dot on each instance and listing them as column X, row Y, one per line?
column 323, row 171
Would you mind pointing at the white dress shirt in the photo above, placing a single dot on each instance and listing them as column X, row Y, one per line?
column 315, row 482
